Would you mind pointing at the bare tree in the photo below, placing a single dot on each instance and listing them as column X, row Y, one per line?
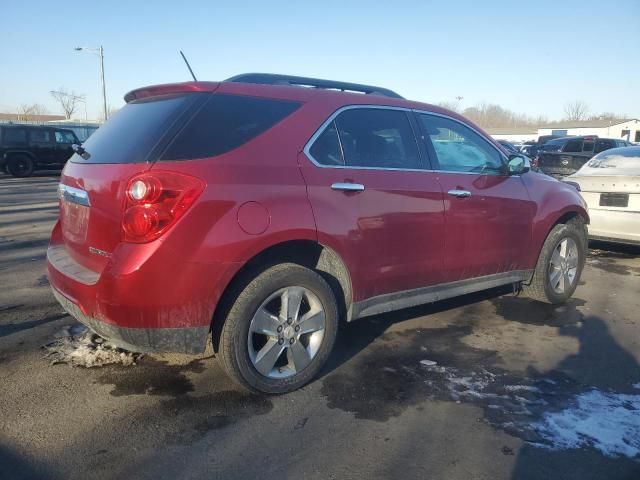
column 30, row 111
column 68, row 101
column 576, row 110
column 454, row 106
column 608, row 116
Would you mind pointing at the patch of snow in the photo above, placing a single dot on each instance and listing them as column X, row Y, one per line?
column 515, row 388
column 428, row 363
column 78, row 346
column 609, row 422
column 636, row 385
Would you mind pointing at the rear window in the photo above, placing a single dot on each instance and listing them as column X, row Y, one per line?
column 134, row 133
column 226, row 122
column 182, row 127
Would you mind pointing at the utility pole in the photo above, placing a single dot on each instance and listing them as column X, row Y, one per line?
column 100, row 53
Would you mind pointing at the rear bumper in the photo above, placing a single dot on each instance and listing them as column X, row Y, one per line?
column 615, row 226
column 146, row 297
column 183, row 340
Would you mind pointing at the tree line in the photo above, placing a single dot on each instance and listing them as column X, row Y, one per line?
column 490, row 115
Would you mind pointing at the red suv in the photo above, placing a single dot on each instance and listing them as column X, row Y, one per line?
column 264, row 209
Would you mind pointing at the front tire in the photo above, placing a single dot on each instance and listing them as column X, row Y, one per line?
column 20, row 166
column 280, row 330
column 560, row 264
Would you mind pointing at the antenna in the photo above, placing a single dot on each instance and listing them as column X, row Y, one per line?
column 188, row 66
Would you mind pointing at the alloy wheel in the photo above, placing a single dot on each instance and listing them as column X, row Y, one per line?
column 563, row 266
column 286, row 332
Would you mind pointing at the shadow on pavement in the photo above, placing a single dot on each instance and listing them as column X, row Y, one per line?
column 601, row 363
column 15, row 467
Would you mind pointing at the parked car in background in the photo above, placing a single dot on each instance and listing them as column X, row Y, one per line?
column 574, row 153
column 533, row 148
column 26, row 148
column 264, row 213
column 610, row 184
column 509, row 147
column 554, row 144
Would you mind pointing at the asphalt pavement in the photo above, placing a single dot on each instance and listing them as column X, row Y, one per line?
column 487, row 386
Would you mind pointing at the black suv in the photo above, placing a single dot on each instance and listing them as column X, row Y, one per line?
column 573, row 153
column 25, row 148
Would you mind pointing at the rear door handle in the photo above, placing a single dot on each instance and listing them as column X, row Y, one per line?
column 459, row 193
column 348, row 187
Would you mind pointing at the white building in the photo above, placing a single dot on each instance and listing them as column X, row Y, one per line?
column 627, row 129
column 514, row 134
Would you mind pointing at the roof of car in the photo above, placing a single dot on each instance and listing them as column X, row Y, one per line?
column 291, row 91
column 293, row 80
column 331, row 97
column 34, row 127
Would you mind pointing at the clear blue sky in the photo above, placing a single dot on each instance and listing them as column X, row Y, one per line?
column 530, row 57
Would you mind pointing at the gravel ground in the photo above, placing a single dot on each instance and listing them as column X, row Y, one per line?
column 485, row 386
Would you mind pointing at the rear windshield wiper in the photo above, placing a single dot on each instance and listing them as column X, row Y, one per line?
column 79, row 149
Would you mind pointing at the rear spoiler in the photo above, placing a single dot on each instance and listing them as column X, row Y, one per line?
column 169, row 89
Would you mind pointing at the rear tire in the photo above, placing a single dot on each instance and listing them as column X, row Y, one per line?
column 267, row 344
column 20, row 166
column 560, row 264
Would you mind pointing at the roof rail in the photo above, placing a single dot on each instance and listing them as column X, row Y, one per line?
column 275, row 79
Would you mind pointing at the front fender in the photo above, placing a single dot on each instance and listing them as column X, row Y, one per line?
column 556, row 202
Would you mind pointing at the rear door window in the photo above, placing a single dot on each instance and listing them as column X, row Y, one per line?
column 377, row 138
column 225, row 123
column 602, row 145
column 40, row 136
column 573, row 146
column 326, row 148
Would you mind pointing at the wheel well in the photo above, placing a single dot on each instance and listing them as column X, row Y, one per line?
column 567, row 217
column 310, row 254
column 571, row 217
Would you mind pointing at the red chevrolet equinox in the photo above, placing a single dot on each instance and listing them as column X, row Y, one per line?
column 265, row 209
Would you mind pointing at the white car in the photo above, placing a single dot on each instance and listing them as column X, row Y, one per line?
column 610, row 184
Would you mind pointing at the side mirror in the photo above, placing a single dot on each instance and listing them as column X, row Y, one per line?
column 518, row 164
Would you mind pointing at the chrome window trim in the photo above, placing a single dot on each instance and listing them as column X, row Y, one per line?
column 307, row 148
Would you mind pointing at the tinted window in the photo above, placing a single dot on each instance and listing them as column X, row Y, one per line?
column 39, row 136
column 226, row 122
column 587, row 146
column 573, row 146
column 14, row 135
column 64, row 137
column 377, row 138
column 602, row 145
column 460, row 149
column 132, row 133
column 326, row 149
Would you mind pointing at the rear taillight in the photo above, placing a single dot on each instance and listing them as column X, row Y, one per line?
column 155, row 201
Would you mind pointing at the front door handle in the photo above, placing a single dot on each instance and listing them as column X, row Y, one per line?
column 459, row 193
column 348, row 187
